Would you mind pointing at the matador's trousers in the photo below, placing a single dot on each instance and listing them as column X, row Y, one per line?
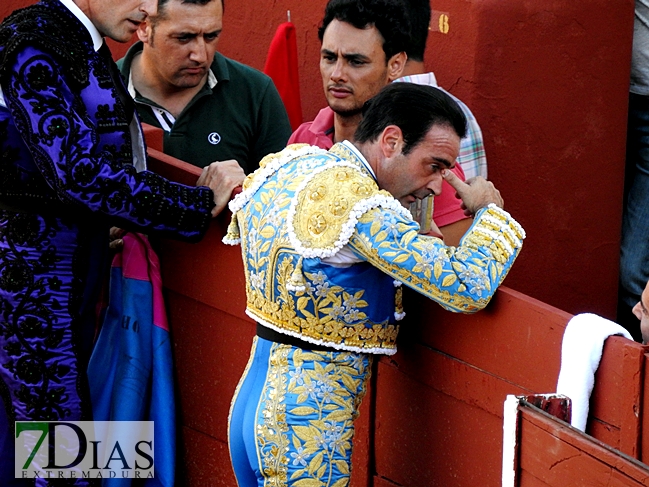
column 292, row 415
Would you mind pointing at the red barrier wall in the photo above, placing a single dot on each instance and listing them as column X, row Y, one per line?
column 433, row 414
column 548, row 83
column 551, row 454
column 434, row 411
column 550, row 88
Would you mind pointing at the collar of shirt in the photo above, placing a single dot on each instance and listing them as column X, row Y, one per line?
column 97, row 40
column 360, row 156
column 211, row 79
column 420, row 79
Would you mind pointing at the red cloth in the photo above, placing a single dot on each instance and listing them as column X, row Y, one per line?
column 281, row 66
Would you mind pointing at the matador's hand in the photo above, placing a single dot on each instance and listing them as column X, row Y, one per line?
column 476, row 193
column 222, row 177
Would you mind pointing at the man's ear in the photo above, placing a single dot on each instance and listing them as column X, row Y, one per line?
column 396, row 65
column 144, row 31
column 391, row 141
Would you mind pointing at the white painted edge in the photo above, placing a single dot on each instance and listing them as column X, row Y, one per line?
column 510, row 427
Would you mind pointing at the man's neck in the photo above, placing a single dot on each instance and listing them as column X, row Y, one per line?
column 150, row 86
column 370, row 152
column 345, row 126
column 413, row 67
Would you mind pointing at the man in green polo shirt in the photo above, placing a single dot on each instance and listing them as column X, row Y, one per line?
column 211, row 108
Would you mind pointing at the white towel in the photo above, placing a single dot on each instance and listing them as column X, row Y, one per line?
column 581, row 352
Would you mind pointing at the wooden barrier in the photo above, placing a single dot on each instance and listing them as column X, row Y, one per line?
column 434, row 411
column 616, row 415
column 550, row 453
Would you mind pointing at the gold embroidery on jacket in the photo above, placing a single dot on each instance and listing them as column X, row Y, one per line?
column 325, row 204
column 322, row 312
column 310, row 207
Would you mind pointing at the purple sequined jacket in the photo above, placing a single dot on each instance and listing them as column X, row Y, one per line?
column 66, row 176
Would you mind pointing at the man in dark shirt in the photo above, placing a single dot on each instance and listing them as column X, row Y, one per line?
column 211, row 108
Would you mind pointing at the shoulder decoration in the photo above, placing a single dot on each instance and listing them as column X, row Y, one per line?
column 326, row 207
column 50, row 26
column 268, row 166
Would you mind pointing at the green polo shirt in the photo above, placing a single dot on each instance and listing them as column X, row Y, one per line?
column 240, row 117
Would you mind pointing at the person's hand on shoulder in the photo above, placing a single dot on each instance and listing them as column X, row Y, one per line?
column 222, row 177
column 476, row 193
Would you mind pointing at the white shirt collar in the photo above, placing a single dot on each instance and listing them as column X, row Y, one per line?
column 211, row 79
column 360, row 156
column 97, row 40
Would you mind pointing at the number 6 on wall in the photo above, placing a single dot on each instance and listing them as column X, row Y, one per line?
column 439, row 22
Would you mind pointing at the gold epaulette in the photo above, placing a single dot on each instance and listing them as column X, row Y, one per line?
column 325, row 209
column 267, row 167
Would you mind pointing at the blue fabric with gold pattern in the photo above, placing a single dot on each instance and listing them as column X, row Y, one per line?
column 326, row 251
column 299, row 428
column 325, row 254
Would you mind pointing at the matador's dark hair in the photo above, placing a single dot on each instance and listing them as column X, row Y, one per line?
column 414, row 109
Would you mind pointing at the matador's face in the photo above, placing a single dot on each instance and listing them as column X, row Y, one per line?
column 418, row 174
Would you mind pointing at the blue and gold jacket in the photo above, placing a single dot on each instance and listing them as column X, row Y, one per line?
column 326, row 252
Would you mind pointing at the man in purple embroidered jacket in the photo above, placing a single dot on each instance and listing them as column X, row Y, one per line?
column 73, row 164
column 327, row 243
